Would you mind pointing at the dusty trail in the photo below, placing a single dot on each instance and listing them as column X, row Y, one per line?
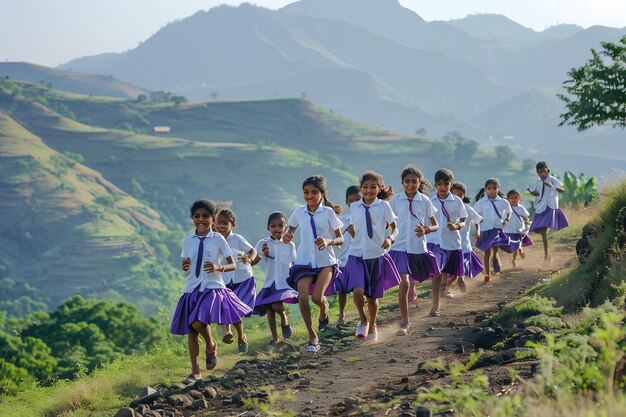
column 376, row 374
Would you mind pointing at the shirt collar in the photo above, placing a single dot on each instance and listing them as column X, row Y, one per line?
column 210, row 234
column 450, row 197
column 416, row 197
column 374, row 203
column 230, row 235
column 319, row 209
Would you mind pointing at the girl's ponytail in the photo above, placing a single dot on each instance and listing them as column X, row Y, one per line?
column 336, row 207
column 385, row 193
column 480, row 194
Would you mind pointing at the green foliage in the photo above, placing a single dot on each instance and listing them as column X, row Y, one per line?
column 505, row 154
column 596, row 89
column 545, row 322
column 526, row 307
column 75, row 156
column 267, row 408
column 178, row 100
column 19, row 299
column 579, row 190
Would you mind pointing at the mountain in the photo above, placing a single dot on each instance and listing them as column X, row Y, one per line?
column 70, row 81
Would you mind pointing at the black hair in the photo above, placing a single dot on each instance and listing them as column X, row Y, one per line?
column 319, row 182
column 514, row 192
column 461, row 187
column 542, row 165
column 490, row 181
column 228, row 214
column 385, row 192
column 444, row 174
column 277, row 215
column 203, row 203
column 352, row 190
column 411, row 169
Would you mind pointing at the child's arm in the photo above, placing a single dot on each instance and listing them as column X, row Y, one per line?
column 458, row 225
column 248, row 257
column 211, row 267
column 477, row 235
column 288, row 237
column 424, row 230
column 389, row 239
column 323, row 243
column 350, row 230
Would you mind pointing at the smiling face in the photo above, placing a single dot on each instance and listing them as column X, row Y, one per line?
column 223, row 226
column 312, row 196
column 543, row 173
column 277, row 228
column 443, row 188
column 411, row 184
column 370, row 190
column 202, row 220
column 492, row 191
column 514, row 199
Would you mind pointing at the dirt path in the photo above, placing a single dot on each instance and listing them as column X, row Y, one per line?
column 352, row 378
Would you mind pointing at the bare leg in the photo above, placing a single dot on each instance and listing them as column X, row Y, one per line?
column 412, row 293
column 359, row 302
column 372, row 307
column 240, row 335
column 204, row 330
column 486, row 262
column 436, row 290
column 305, row 308
column 280, row 309
column 403, row 298
column 343, row 298
column 544, row 237
column 271, row 321
column 496, row 259
column 194, row 353
column 323, row 279
column 515, row 257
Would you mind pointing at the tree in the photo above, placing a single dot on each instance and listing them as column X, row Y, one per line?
column 597, row 90
column 505, row 154
column 178, row 100
column 142, row 98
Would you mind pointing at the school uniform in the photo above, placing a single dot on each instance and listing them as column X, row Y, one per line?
column 205, row 296
column 409, row 252
column 275, row 288
column 241, row 281
column 445, row 244
column 369, row 266
column 494, row 212
column 309, row 259
column 516, row 230
column 547, row 211
column 472, row 265
column 339, row 284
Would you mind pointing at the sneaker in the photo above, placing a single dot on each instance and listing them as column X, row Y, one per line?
column 310, row 347
column 435, row 312
column 373, row 336
column 287, row 331
column 361, row 331
column 448, row 294
column 324, row 324
column 405, row 329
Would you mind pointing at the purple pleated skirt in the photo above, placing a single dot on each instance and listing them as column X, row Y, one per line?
column 297, row 272
column 491, row 239
column 472, row 264
column 420, row 267
column 246, row 292
column 449, row 261
column 516, row 242
column 270, row 295
column 339, row 285
column 220, row 306
column 552, row 218
column 375, row 276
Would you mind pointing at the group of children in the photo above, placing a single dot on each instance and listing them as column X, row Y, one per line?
column 385, row 241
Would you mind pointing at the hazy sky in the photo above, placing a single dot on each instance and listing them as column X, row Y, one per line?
column 51, row 32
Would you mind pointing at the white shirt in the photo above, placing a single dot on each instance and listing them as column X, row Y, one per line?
column 239, row 246
column 466, row 232
column 550, row 196
column 344, row 252
column 381, row 214
column 326, row 222
column 422, row 207
column 454, row 208
column 491, row 220
column 215, row 249
column 516, row 225
column 277, row 267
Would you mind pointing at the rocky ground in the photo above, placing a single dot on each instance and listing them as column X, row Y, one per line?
column 351, row 378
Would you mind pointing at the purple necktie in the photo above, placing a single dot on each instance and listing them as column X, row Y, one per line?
column 368, row 222
column 542, row 190
column 312, row 225
column 493, row 203
column 413, row 214
column 445, row 211
column 199, row 257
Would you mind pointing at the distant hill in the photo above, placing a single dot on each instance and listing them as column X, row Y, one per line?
column 70, row 81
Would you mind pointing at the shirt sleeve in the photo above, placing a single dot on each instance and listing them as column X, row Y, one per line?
column 507, row 209
column 390, row 216
column 293, row 252
column 525, row 212
column 294, row 220
column 224, row 248
column 352, row 209
column 462, row 210
column 430, row 210
column 555, row 183
column 185, row 250
column 478, row 207
column 258, row 247
column 244, row 245
column 335, row 222
column 473, row 217
column 392, row 204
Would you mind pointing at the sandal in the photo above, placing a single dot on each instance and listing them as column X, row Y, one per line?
column 191, row 379
column 287, row 331
column 211, row 359
column 243, row 347
column 312, row 347
column 324, row 324
column 228, row 338
column 435, row 312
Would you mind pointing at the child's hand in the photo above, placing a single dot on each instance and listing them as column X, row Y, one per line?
column 452, row 226
column 547, row 184
column 420, row 231
column 265, row 250
column 243, row 258
column 287, row 237
column 386, row 243
column 186, row 264
column 321, row 243
column 476, row 236
column 211, row 267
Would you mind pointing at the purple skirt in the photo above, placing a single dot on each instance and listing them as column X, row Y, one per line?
column 297, row 272
column 472, row 264
column 339, row 285
column 491, row 239
column 246, row 292
column 552, row 218
column 516, row 242
column 373, row 275
column 268, row 296
column 420, row 267
column 449, row 261
column 220, row 306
